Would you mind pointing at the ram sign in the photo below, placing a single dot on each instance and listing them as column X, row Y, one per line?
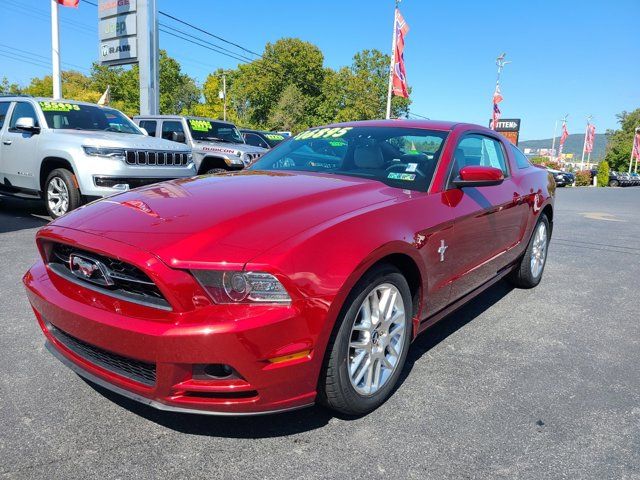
column 117, row 32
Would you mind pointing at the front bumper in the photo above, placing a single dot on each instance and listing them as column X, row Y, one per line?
column 245, row 338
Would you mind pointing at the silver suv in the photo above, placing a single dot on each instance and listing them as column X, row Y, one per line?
column 217, row 146
column 69, row 152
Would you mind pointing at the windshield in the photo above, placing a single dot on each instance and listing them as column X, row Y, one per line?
column 62, row 115
column 400, row 157
column 210, row 131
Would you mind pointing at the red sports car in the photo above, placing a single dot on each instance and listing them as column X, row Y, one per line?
column 303, row 279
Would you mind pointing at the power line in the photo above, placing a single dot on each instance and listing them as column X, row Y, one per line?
column 19, row 59
column 38, row 56
column 200, row 44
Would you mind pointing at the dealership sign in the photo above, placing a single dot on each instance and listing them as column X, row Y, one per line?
column 117, row 32
column 510, row 128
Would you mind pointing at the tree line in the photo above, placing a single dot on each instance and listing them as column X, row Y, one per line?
column 287, row 88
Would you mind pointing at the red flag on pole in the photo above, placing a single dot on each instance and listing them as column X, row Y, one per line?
column 636, row 147
column 563, row 138
column 399, row 73
column 69, row 3
column 497, row 98
column 591, row 134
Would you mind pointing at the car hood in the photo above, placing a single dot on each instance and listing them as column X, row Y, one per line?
column 225, row 219
column 116, row 140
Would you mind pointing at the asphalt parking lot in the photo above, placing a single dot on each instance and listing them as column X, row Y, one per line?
column 543, row 383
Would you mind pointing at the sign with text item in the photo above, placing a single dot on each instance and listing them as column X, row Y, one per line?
column 118, row 26
column 510, row 128
column 119, row 51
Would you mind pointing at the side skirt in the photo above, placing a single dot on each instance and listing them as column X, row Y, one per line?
column 436, row 317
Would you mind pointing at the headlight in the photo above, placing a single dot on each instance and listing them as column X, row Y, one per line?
column 242, row 287
column 104, row 152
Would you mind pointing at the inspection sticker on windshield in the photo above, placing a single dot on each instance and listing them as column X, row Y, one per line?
column 411, row 167
column 409, row 177
column 200, row 125
column 58, row 106
column 336, row 132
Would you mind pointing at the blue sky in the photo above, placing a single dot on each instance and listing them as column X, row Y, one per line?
column 570, row 57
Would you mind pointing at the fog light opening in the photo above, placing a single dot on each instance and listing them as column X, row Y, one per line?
column 213, row 371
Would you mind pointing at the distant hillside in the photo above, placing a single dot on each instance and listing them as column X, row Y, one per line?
column 573, row 145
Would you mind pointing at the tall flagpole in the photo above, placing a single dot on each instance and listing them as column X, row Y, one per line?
column 633, row 144
column 55, row 51
column 584, row 145
column 553, row 143
column 392, row 65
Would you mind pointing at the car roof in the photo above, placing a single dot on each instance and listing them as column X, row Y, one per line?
column 426, row 124
column 178, row 117
column 49, row 99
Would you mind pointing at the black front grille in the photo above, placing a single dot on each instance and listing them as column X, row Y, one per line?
column 129, row 282
column 153, row 158
column 126, row 367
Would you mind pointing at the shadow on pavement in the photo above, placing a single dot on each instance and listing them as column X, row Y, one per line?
column 311, row 418
column 18, row 214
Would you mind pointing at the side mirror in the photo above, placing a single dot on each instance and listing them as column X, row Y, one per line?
column 478, row 176
column 27, row 124
column 178, row 137
column 144, row 130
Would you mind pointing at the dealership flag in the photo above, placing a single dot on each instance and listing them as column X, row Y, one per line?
column 497, row 98
column 399, row 73
column 69, row 3
column 563, row 138
column 591, row 134
column 636, row 147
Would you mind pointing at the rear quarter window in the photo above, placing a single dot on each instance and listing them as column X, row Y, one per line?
column 521, row 160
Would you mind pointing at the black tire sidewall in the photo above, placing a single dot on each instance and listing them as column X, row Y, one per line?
column 215, row 171
column 356, row 403
column 74, row 194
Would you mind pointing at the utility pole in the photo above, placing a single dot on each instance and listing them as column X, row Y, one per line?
column 584, row 145
column 224, row 93
column 55, row 51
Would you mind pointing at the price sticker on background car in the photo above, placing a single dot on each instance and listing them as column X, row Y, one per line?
column 200, row 125
column 58, row 106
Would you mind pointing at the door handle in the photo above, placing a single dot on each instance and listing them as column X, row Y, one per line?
column 7, row 142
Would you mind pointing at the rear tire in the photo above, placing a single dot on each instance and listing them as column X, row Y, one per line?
column 374, row 349
column 528, row 272
column 614, row 183
column 60, row 193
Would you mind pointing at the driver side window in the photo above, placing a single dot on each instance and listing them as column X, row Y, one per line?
column 479, row 150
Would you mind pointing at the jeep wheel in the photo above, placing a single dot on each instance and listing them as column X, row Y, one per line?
column 614, row 183
column 60, row 193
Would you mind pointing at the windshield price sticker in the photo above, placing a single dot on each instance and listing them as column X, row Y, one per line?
column 200, row 125
column 409, row 177
column 274, row 136
column 336, row 132
column 58, row 106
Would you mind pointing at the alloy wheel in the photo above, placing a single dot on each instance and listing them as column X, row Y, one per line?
column 539, row 250
column 377, row 339
column 58, row 196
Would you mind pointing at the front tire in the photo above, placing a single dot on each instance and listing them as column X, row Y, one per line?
column 614, row 183
column 60, row 193
column 528, row 272
column 369, row 346
column 215, row 171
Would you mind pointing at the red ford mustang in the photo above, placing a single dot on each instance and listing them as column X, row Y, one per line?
column 302, row 279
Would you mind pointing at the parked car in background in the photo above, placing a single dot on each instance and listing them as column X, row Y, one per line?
column 217, row 146
column 69, row 152
column 562, row 178
column 328, row 257
column 619, row 179
column 259, row 138
column 635, row 179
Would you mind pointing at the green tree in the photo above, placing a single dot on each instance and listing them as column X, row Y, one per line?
column 291, row 111
column 603, row 174
column 620, row 142
column 213, row 105
column 9, row 88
